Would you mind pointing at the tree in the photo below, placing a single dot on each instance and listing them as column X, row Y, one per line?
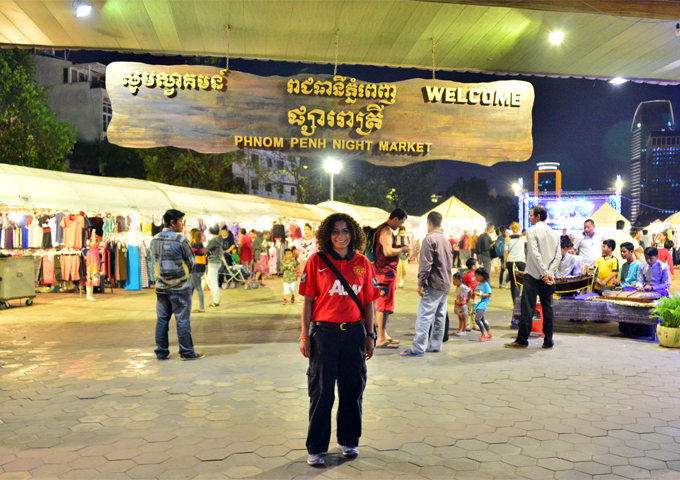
column 30, row 134
column 475, row 193
column 187, row 168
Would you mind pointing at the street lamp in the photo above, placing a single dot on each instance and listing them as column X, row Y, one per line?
column 517, row 189
column 333, row 167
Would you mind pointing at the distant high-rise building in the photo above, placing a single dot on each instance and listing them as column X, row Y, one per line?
column 661, row 174
column 652, row 116
column 547, row 177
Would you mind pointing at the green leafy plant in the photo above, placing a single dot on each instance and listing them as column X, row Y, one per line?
column 668, row 309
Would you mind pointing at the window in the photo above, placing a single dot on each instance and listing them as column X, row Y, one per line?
column 254, row 158
column 107, row 113
column 280, row 165
column 279, row 188
column 268, row 187
column 240, row 183
column 293, row 191
column 253, row 184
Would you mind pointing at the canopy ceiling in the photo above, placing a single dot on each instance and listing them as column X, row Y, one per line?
column 631, row 39
column 606, row 217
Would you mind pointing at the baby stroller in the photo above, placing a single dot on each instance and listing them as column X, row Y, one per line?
column 231, row 275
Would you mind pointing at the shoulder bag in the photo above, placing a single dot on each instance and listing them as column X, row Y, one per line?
column 343, row 281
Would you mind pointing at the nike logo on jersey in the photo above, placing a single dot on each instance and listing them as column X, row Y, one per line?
column 321, row 271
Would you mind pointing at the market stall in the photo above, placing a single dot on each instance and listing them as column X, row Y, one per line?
column 457, row 217
column 605, row 218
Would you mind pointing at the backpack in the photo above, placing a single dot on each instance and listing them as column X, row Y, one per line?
column 372, row 241
column 500, row 247
column 461, row 243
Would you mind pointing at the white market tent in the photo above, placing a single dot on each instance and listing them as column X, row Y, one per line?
column 24, row 187
column 656, row 226
column 38, row 188
column 673, row 219
column 605, row 218
column 457, row 216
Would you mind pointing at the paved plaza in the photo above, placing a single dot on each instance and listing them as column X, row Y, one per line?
column 82, row 396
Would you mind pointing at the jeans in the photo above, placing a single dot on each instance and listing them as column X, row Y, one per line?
column 500, row 277
column 533, row 288
column 431, row 310
column 514, row 288
column 211, row 278
column 336, row 357
column 179, row 304
column 456, row 259
column 486, row 262
column 196, row 285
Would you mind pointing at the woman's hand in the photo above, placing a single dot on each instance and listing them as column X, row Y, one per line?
column 305, row 347
column 369, row 346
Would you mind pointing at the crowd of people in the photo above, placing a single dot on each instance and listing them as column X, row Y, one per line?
column 346, row 278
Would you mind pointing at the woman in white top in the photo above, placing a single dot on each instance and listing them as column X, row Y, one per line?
column 515, row 255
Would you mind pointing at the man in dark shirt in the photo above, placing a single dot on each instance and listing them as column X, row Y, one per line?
column 484, row 247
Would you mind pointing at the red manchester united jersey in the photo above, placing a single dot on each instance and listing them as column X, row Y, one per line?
column 331, row 302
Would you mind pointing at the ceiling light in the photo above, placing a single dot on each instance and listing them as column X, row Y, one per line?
column 82, row 8
column 556, row 37
column 617, row 81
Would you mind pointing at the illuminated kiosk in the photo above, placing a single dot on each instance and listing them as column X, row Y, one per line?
column 566, row 209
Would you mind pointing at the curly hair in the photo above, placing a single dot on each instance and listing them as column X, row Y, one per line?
column 323, row 234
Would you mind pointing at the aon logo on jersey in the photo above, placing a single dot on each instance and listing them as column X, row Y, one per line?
column 340, row 290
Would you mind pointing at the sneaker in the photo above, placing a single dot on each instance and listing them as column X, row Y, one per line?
column 514, row 345
column 195, row 356
column 315, row 459
column 292, row 300
column 483, row 338
column 285, row 302
column 489, row 336
column 348, row 451
column 167, row 357
column 468, row 329
column 400, row 285
column 460, row 334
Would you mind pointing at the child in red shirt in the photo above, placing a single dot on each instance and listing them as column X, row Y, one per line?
column 470, row 281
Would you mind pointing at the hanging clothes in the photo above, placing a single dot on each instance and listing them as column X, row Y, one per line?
column 150, row 266
column 109, row 226
column 144, row 266
column 73, row 226
column 48, row 270
column 134, row 281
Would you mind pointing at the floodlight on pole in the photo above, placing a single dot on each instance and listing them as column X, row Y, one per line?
column 517, row 189
column 333, row 167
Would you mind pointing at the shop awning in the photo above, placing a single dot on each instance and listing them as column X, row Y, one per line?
column 457, row 216
column 195, row 201
column 602, row 39
column 371, row 216
column 69, row 191
column 300, row 211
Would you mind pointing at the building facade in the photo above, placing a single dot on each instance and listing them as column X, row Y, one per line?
column 652, row 116
column 268, row 174
column 661, row 174
column 76, row 94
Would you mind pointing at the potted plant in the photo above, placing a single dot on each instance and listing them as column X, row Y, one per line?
column 668, row 310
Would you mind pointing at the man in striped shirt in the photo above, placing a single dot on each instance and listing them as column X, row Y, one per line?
column 174, row 262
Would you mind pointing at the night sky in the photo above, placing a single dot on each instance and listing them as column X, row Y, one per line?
column 583, row 124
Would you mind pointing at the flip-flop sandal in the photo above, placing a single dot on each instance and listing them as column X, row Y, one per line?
column 387, row 345
column 410, row 353
column 394, row 341
column 198, row 311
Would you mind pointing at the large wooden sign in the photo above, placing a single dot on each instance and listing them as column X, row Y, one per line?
column 211, row 110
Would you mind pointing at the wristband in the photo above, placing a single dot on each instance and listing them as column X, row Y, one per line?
column 302, row 337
